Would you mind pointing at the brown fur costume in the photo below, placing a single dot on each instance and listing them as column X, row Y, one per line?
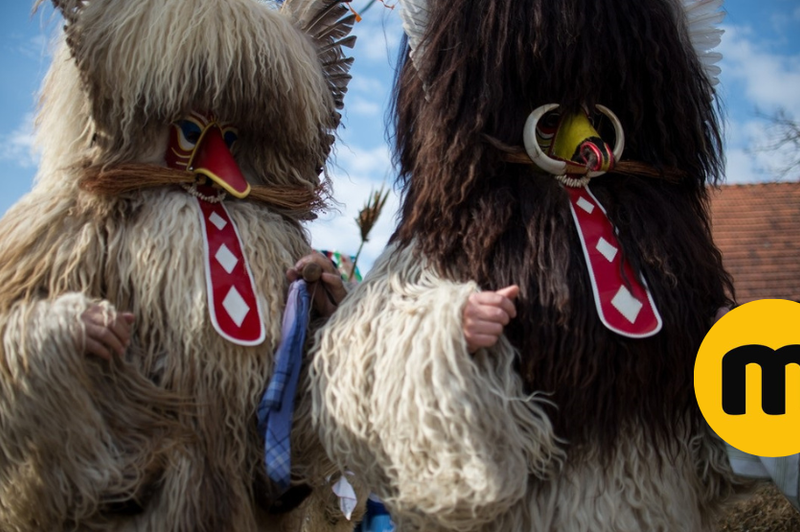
column 613, row 439
column 164, row 438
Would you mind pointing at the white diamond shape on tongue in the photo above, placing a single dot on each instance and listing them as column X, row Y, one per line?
column 218, row 221
column 226, row 258
column 608, row 250
column 235, row 306
column 626, row 304
column 585, row 205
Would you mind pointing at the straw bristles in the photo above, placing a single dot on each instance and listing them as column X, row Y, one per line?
column 368, row 216
column 518, row 155
column 297, row 202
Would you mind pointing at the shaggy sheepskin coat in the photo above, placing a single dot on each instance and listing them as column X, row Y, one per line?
column 169, row 429
column 163, row 438
column 563, row 425
column 452, row 441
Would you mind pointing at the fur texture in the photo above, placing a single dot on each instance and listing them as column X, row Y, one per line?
column 145, row 64
column 453, row 442
column 620, row 412
column 164, row 438
column 478, row 218
column 438, row 432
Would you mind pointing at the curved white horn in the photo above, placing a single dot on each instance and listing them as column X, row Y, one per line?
column 548, row 164
column 619, row 145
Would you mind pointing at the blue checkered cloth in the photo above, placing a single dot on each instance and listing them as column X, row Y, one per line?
column 277, row 405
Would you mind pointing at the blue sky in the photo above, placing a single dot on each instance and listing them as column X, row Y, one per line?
column 760, row 72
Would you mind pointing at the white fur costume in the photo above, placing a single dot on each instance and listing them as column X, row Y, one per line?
column 165, row 438
column 451, row 442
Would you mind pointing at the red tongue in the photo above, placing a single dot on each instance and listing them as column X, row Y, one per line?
column 232, row 302
column 626, row 308
column 214, row 160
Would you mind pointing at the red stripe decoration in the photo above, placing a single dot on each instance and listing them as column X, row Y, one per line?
column 232, row 303
column 626, row 308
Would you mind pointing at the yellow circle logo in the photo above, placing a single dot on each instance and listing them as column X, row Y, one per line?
column 747, row 377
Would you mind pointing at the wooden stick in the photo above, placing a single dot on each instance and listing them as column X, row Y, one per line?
column 311, row 272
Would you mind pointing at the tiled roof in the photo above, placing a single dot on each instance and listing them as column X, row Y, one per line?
column 757, row 228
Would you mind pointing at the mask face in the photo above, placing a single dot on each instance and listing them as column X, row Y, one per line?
column 572, row 138
column 201, row 144
column 568, row 146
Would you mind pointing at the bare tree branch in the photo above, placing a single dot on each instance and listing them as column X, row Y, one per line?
column 782, row 140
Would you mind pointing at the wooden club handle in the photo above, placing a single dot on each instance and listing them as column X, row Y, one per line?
column 312, row 272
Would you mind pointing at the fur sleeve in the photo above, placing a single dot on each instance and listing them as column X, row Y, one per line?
column 435, row 431
column 62, row 450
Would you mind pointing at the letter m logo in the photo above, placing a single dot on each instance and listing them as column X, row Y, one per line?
column 773, row 377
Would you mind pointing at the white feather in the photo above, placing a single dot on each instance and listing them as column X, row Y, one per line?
column 703, row 18
column 414, row 14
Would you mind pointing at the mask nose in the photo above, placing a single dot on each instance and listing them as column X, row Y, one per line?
column 578, row 142
column 594, row 158
column 213, row 159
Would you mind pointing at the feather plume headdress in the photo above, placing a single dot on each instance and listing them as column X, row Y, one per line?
column 703, row 18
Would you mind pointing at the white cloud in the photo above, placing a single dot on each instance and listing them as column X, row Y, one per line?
column 367, row 85
column 35, row 48
column 756, row 80
column 739, row 168
column 742, row 133
column 358, row 161
column 748, row 160
column 366, row 107
column 379, row 34
column 769, row 79
column 18, row 146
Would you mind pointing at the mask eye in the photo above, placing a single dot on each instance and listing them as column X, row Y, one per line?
column 549, row 123
column 188, row 133
column 546, row 128
column 231, row 135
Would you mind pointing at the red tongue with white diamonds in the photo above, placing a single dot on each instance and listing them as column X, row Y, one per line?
column 232, row 302
column 625, row 308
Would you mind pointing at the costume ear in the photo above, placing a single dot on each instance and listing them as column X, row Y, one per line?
column 328, row 25
column 703, row 18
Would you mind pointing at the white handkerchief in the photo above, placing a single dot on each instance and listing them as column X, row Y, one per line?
column 347, row 496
